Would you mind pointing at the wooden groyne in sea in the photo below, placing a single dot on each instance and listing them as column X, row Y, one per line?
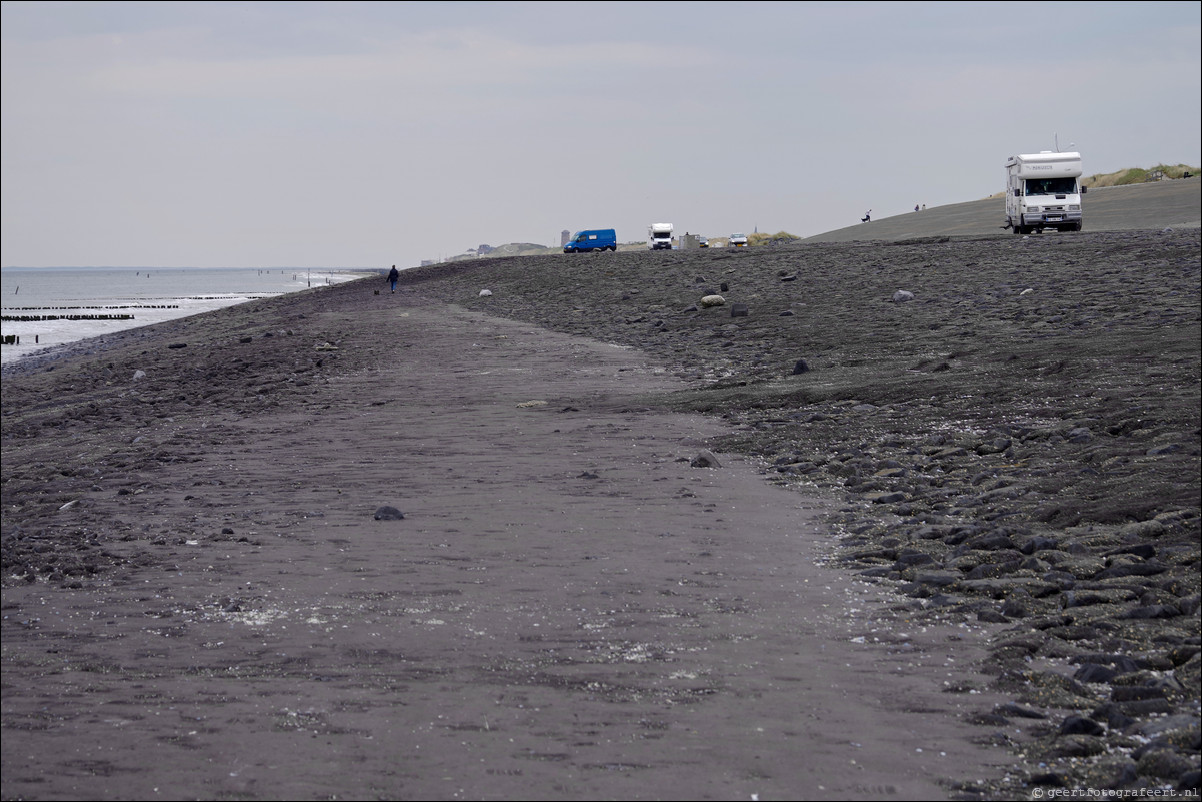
column 8, row 315
column 35, row 318
column 90, row 306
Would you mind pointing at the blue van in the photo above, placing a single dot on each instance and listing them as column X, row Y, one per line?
column 597, row 239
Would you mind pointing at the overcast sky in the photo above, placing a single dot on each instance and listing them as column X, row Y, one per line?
column 367, row 134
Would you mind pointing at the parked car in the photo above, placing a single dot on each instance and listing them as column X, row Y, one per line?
column 703, row 242
column 597, row 239
column 738, row 240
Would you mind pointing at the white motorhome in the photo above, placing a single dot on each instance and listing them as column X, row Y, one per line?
column 659, row 236
column 1042, row 191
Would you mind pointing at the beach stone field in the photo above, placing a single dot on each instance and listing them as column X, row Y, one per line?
column 999, row 435
column 1013, row 426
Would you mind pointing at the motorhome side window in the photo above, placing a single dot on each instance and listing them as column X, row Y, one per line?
column 592, row 236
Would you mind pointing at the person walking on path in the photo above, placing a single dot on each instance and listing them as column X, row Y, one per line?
column 393, row 275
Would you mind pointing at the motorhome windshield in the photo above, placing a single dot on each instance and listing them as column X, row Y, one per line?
column 1051, row 186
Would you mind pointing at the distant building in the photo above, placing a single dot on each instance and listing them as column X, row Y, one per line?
column 564, row 236
column 427, row 262
column 485, row 249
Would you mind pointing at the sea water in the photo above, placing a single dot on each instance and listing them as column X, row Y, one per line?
column 48, row 306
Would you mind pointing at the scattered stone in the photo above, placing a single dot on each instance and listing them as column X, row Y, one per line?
column 1113, row 715
column 1079, row 725
column 1137, row 693
column 901, row 296
column 1077, row 746
column 1011, row 710
column 1151, row 611
column 1164, row 764
column 712, row 300
column 705, row 459
column 1038, row 543
column 389, row 514
column 1092, row 672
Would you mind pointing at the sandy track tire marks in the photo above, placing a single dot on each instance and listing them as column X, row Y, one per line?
column 567, row 609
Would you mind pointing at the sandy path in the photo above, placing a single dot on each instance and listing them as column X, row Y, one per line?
column 568, row 609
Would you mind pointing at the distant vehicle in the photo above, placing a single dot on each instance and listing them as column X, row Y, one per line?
column 703, row 242
column 1042, row 192
column 738, row 240
column 596, row 239
column 659, row 236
